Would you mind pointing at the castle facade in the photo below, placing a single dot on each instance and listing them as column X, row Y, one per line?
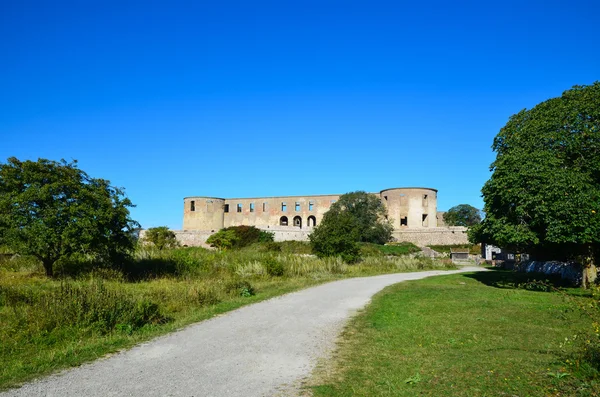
column 409, row 208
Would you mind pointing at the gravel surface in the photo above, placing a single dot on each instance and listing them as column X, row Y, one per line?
column 263, row 349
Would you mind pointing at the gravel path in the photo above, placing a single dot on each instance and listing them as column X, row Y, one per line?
column 263, row 349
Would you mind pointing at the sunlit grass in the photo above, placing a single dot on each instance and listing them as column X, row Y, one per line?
column 461, row 335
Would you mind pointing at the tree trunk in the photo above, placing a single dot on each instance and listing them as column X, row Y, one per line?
column 589, row 271
column 48, row 267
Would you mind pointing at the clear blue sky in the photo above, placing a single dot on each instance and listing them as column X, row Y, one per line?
column 251, row 98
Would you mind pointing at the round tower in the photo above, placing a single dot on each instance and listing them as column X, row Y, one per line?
column 411, row 207
column 203, row 213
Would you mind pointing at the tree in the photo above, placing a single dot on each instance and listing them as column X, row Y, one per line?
column 52, row 210
column 355, row 217
column 161, row 237
column 462, row 215
column 544, row 193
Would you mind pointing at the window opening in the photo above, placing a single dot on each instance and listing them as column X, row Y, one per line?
column 226, row 208
column 192, row 205
column 404, row 221
column 283, row 221
column 283, row 207
column 264, row 207
column 425, row 222
column 239, row 208
column 311, row 205
column 297, row 207
column 298, row 222
column 312, row 221
column 251, row 207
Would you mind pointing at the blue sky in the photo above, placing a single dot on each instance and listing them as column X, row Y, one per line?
column 260, row 98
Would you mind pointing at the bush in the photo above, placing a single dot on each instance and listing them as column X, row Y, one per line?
column 240, row 288
column 161, row 237
column 223, row 239
column 239, row 237
column 337, row 235
column 274, row 268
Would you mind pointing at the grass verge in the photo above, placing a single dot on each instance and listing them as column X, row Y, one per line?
column 470, row 335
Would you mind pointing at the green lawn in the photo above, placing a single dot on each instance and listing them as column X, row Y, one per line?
column 462, row 335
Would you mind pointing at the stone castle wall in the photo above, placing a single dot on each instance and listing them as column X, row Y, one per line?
column 421, row 238
column 408, row 208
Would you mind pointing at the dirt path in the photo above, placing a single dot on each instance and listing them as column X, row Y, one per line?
column 258, row 350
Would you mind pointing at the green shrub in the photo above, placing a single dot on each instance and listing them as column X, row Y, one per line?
column 161, row 237
column 266, row 237
column 240, row 288
column 239, row 237
column 336, row 237
column 223, row 239
column 274, row 267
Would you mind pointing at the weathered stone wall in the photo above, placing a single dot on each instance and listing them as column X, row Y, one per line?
column 421, row 237
column 194, row 238
column 433, row 236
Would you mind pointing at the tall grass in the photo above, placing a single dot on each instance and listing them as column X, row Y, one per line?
column 91, row 309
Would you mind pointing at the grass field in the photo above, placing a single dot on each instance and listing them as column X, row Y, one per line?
column 50, row 324
column 483, row 334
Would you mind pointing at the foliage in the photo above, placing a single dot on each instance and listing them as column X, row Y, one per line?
column 544, row 194
column 161, row 237
column 462, row 215
column 274, row 267
column 52, row 210
column 223, row 239
column 337, row 235
column 239, row 237
column 355, row 217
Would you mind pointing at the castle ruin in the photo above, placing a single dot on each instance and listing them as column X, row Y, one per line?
column 412, row 210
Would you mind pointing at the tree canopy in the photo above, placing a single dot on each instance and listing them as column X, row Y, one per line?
column 355, row 217
column 462, row 215
column 544, row 193
column 52, row 210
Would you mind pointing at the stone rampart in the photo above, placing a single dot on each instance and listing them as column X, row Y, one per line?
column 420, row 237
column 433, row 236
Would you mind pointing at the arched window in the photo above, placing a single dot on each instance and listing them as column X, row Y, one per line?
column 312, row 221
column 283, row 221
column 298, row 222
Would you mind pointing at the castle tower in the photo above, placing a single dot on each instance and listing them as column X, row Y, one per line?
column 412, row 207
column 203, row 213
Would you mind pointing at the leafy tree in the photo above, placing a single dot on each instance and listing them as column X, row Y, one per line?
column 336, row 235
column 369, row 214
column 161, row 237
column 355, row 217
column 544, row 194
column 462, row 215
column 52, row 210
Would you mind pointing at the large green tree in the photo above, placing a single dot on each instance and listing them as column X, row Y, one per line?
column 52, row 210
column 355, row 217
column 462, row 215
column 544, row 193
